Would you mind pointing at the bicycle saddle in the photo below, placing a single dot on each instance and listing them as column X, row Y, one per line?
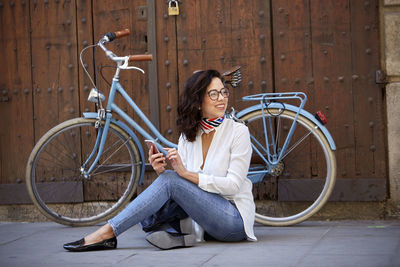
column 230, row 71
column 233, row 76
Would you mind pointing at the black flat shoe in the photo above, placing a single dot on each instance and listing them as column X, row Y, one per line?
column 78, row 246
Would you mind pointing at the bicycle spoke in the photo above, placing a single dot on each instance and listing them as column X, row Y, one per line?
column 112, row 145
column 57, row 157
column 65, row 149
column 102, row 164
column 59, row 165
column 295, row 145
column 112, row 170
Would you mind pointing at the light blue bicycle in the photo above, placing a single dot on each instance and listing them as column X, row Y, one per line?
column 87, row 169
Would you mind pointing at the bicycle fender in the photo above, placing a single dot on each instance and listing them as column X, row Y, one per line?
column 295, row 109
column 94, row 115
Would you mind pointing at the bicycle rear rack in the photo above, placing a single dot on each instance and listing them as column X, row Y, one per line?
column 272, row 97
column 274, row 156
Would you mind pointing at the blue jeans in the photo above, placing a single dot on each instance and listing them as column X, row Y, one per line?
column 167, row 218
column 216, row 215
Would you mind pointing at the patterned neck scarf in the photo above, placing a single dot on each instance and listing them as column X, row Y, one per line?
column 209, row 125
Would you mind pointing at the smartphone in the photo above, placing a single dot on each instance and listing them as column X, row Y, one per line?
column 150, row 144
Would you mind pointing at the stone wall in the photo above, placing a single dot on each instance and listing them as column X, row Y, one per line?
column 390, row 33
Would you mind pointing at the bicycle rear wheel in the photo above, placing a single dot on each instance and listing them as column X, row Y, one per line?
column 54, row 179
column 303, row 180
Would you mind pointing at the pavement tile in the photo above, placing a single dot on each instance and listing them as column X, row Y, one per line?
column 344, row 260
column 359, row 245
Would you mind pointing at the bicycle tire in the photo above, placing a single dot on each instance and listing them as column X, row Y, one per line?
column 296, row 191
column 55, row 183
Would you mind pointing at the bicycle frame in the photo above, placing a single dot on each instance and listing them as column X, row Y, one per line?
column 107, row 115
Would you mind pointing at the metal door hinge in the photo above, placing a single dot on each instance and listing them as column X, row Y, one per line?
column 380, row 77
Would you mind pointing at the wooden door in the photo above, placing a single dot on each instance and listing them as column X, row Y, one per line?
column 327, row 49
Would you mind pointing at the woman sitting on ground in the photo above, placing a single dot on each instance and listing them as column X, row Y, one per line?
column 209, row 182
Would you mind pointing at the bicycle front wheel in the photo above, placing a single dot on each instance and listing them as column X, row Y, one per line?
column 302, row 181
column 54, row 179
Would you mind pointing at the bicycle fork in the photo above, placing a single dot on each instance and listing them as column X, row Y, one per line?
column 100, row 142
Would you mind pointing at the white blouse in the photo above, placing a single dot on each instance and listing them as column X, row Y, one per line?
column 225, row 168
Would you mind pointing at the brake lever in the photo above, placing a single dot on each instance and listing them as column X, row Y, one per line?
column 126, row 66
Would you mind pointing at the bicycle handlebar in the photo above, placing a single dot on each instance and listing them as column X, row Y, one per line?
column 111, row 36
column 122, row 33
column 144, row 57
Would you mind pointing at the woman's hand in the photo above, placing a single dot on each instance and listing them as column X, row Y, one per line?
column 176, row 161
column 157, row 161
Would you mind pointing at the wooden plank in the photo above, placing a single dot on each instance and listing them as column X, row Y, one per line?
column 293, row 72
column 116, row 15
column 199, row 36
column 84, row 29
column 251, row 48
column 331, row 44
column 52, row 192
column 149, row 13
column 123, row 15
column 292, row 47
column 14, row 194
column 251, row 42
column 267, row 189
column 167, row 69
column 369, row 125
column 54, row 67
column 55, row 64
column 16, row 127
column 349, row 189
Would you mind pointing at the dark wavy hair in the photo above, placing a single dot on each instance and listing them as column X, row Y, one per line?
column 189, row 108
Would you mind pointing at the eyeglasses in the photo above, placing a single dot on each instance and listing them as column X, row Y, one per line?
column 214, row 94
